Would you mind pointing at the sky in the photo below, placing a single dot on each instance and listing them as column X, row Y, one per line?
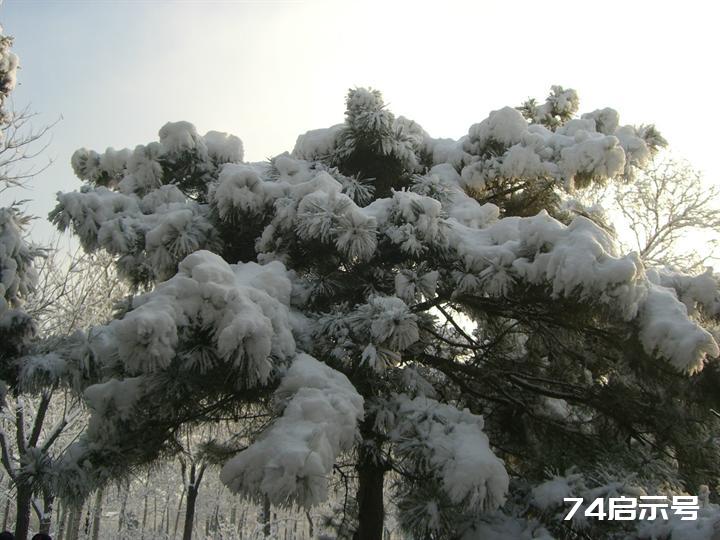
column 113, row 72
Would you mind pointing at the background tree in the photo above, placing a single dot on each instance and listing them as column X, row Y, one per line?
column 669, row 214
column 18, row 279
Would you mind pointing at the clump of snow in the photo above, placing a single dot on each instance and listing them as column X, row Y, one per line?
column 292, row 461
column 598, row 157
column 120, row 395
column 356, row 235
column 553, row 492
column 317, row 144
column 559, row 106
column 86, row 164
column 177, row 137
column 144, row 171
column 42, row 371
column 388, row 321
column 606, row 120
column 18, row 276
column 505, row 126
column 666, row 329
column 239, row 188
column 223, row 147
column 699, row 293
column 455, row 448
column 9, row 63
column 245, row 307
column 447, row 151
column 410, row 285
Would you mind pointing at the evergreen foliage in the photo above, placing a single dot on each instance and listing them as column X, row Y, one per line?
column 428, row 309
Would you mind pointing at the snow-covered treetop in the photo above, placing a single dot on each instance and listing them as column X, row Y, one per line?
column 322, row 265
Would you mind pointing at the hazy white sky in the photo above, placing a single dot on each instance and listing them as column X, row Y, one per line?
column 116, row 71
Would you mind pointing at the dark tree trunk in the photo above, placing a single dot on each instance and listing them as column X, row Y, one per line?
column 6, row 517
column 22, row 516
column 266, row 517
column 123, row 508
column 192, row 493
column 190, row 512
column 97, row 515
column 371, row 469
column 371, row 508
column 86, row 530
column 145, row 509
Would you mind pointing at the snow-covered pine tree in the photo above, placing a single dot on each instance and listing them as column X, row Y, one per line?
column 17, row 273
column 406, row 301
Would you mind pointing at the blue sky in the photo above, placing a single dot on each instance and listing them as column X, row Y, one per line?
column 116, row 71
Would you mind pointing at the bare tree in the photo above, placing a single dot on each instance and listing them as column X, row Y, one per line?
column 72, row 292
column 26, row 459
column 21, row 146
column 668, row 208
column 669, row 214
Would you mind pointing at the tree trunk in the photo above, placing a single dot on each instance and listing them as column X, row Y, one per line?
column 177, row 515
column 86, row 531
column 97, row 514
column 22, row 516
column 190, row 512
column 371, row 510
column 6, row 517
column 266, row 517
column 74, row 522
column 62, row 516
column 192, row 493
column 165, row 525
column 123, row 508
column 46, row 521
column 241, row 523
column 145, row 509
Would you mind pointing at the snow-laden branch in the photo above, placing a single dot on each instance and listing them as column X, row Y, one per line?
column 452, row 446
column 244, row 308
column 292, row 460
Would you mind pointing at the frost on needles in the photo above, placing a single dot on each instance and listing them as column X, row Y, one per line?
column 428, row 310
